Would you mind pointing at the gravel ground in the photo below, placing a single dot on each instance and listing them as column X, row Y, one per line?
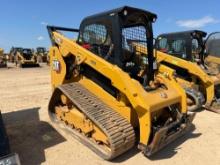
column 24, row 96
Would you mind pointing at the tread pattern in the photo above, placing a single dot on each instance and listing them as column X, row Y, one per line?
column 119, row 131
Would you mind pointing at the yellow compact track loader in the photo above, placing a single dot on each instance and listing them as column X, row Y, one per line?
column 42, row 54
column 185, row 52
column 108, row 94
column 3, row 60
column 26, row 58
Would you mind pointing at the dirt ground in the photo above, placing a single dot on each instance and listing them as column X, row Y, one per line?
column 24, row 96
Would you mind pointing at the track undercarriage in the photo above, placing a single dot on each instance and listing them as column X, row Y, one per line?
column 90, row 120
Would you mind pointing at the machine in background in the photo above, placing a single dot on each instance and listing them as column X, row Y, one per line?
column 26, row 58
column 13, row 52
column 3, row 59
column 185, row 52
column 42, row 55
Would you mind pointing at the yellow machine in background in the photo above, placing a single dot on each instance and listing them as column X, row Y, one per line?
column 13, row 52
column 108, row 94
column 185, row 52
column 42, row 54
column 3, row 60
column 26, row 58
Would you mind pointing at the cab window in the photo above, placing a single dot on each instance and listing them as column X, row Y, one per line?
column 95, row 34
column 98, row 39
column 162, row 45
column 178, row 48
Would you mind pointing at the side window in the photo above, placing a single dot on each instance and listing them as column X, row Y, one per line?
column 195, row 44
column 95, row 34
column 98, row 39
column 162, row 44
column 134, row 36
column 179, row 48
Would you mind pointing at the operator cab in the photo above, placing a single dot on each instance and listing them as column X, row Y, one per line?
column 27, row 53
column 123, row 37
column 188, row 45
column 41, row 50
column 14, row 50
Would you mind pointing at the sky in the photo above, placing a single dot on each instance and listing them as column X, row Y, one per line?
column 23, row 22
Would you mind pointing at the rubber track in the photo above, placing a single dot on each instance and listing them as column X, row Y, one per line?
column 118, row 130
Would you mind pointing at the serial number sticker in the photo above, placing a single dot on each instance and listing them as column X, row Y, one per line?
column 56, row 65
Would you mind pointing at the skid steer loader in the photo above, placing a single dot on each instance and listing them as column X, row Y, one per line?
column 42, row 54
column 185, row 52
column 26, row 58
column 3, row 60
column 108, row 94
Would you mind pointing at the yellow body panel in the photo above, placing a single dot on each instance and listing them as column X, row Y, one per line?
column 213, row 59
column 213, row 63
column 1, row 51
column 57, row 78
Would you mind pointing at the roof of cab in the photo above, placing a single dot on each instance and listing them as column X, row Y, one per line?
column 150, row 15
column 202, row 33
